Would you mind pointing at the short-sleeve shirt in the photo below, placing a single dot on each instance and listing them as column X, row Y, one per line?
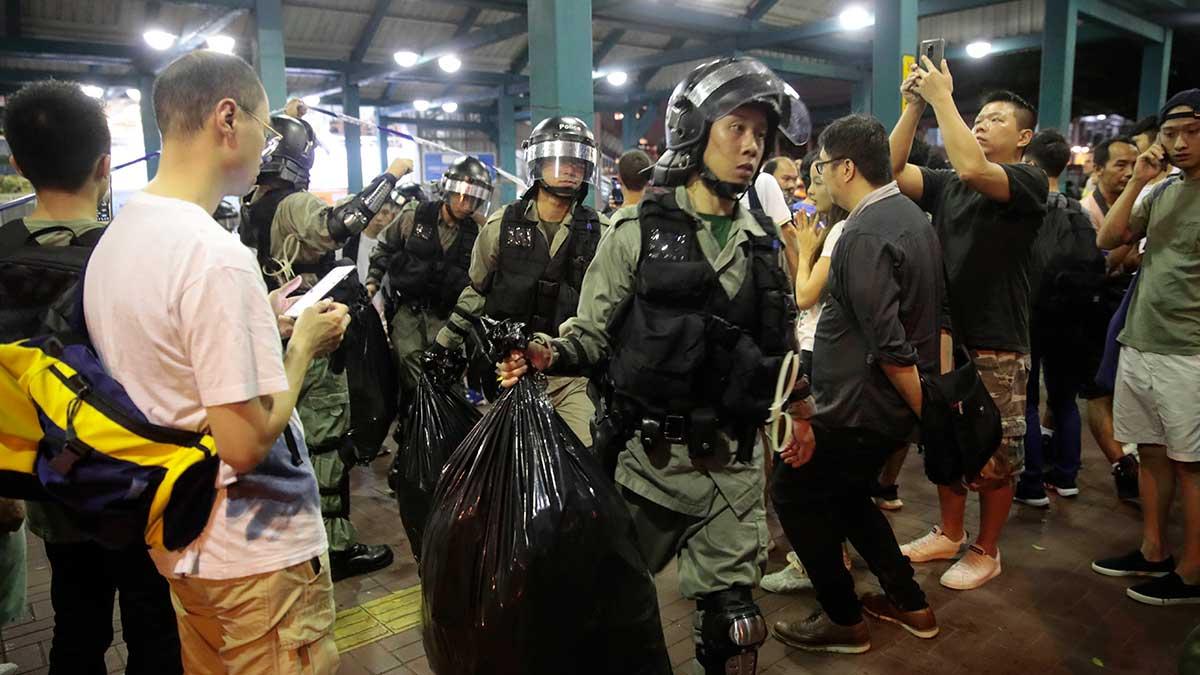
column 770, row 195
column 806, row 323
column 1164, row 313
column 988, row 249
column 178, row 314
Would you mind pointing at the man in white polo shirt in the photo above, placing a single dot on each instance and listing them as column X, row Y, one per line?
column 179, row 314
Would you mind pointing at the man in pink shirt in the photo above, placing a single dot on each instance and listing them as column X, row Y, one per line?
column 179, row 314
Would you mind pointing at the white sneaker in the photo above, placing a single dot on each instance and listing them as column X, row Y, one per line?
column 933, row 546
column 789, row 579
column 975, row 569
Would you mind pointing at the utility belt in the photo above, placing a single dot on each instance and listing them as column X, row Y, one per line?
column 343, row 445
column 698, row 429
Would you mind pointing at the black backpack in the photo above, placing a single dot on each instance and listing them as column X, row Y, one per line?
column 39, row 285
column 1069, row 272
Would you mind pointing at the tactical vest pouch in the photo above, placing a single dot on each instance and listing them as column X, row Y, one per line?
column 668, row 356
column 121, row 478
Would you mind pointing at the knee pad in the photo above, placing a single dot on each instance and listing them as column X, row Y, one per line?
column 731, row 629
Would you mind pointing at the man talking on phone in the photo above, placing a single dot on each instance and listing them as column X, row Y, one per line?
column 1157, row 398
column 986, row 212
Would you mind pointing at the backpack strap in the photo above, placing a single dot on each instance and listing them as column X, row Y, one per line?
column 13, row 235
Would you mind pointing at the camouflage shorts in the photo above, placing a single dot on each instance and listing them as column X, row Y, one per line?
column 1006, row 375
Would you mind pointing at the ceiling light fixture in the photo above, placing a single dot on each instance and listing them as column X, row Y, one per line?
column 449, row 63
column 159, row 39
column 406, row 59
column 617, row 78
column 855, row 17
column 979, row 49
column 220, row 43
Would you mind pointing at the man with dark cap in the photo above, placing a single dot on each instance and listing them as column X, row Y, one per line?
column 1157, row 399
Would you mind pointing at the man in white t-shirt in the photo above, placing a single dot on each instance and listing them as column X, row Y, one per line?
column 179, row 314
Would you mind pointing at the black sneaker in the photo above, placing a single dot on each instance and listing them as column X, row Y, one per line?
column 1169, row 590
column 887, row 497
column 1031, row 494
column 1125, row 475
column 1065, row 487
column 1134, row 565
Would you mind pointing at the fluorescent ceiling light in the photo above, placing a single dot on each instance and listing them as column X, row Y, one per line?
column 220, row 43
column 855, row 17
column 159, row 39
column 405, row 58
column 449, row 106
column 421, row 105
column 617, row 78
column 979, row 49
column 449, row 63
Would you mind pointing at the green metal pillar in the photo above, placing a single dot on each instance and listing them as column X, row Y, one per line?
column 1058, row 64
column 268, row 15
column 383, row 141
column 895, row 39
column 354, row 177
column 1156, row 63
column 150, row 137
column 860, row 97
column 560, row 48
column 506, row 146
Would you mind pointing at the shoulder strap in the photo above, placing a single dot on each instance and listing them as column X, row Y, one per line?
column 13, row 235
column 752, row 194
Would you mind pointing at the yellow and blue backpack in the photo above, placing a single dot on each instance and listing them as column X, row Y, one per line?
column 70, row 433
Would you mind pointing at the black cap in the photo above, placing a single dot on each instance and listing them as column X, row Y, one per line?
column 1187, row 97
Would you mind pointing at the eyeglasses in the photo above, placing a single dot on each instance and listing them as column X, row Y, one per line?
column 819, row 166
column 273, row 137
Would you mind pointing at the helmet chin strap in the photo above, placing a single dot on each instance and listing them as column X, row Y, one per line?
column 561, row 192
column 723, row 189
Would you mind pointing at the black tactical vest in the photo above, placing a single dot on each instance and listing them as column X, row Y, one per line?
column 531, row 286
column 256, row 231
column 422, row 273
column 681, row 343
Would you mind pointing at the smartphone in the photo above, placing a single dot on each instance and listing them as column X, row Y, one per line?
column 935, row 49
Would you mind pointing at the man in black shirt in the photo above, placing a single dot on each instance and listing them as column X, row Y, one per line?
column 986, row 211
column 878, row 330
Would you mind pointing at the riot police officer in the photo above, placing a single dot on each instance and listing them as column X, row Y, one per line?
column 686, row 310
column 530, row 257
column 294, row 232
column 425, row 255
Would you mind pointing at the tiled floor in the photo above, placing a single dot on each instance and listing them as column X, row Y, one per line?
column 1047, row 613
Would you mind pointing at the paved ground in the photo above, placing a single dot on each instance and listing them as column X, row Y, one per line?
column 1047, row 613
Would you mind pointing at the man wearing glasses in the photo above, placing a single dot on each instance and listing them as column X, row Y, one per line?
column 178, row 313
column 297, row 234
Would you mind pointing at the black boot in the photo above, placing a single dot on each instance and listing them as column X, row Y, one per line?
column 359, row 559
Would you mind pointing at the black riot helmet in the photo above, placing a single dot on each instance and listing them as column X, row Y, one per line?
column 292, row 158
column 562, row 150
column 470, row 179
column 712, row 91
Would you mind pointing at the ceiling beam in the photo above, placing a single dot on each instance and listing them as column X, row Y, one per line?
column 484, row 126
column 369, row 30
column 468, row 21
column 606, row 45
column 12, row 18
column 760, row 9
column 518, row 64
column 54, row 49
column 20, row 77
column 643, row 79
column 1114, row 16
column 191, row 39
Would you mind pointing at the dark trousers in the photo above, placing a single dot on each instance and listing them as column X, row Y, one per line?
column 827, row 501
column 84, row 579
column 1066, row 370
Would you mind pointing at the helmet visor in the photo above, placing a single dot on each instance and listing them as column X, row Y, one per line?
column 746, row 81
column 560, row 163
column 466, row 196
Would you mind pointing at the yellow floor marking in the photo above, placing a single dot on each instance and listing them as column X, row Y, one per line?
column 372, row 621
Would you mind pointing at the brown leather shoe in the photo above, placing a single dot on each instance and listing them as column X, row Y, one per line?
column 818, row 634
column 920, row 623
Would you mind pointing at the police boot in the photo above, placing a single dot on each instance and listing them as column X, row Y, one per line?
column 731, row 629
column 359, row 559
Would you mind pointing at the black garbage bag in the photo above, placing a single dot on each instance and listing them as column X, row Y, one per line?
column 370, row 372
column 530, row 564
column 437, row 420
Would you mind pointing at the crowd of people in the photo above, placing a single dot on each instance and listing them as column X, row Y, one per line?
column 868, row 268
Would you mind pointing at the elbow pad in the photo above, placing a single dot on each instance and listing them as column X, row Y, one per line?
column 352, row 217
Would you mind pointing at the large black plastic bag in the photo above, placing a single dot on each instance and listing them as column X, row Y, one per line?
column 370, row 371
column 437, row 420
column 530, row 564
